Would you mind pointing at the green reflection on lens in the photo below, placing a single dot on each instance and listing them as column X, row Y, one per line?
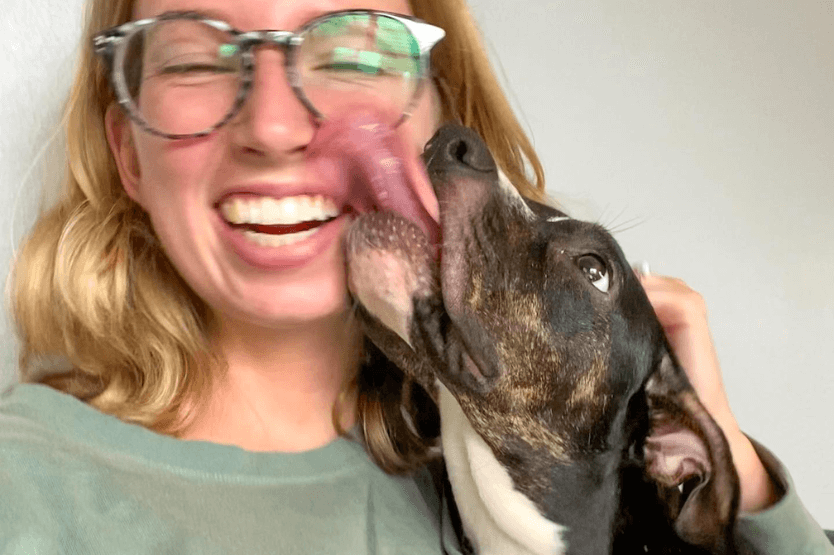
column 342, row 54
column 392, row 36
column 359, row 60
column 369, row 62
column 227, row 50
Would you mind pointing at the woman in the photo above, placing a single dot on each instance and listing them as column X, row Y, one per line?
column 223, row 343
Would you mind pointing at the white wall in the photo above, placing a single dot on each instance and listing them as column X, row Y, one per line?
column 701, row 132
column 37, row 54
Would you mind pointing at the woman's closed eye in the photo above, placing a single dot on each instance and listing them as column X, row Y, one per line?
column 356, row 63
column 195, row 68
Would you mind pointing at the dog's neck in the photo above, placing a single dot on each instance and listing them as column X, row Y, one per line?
column 498, row 519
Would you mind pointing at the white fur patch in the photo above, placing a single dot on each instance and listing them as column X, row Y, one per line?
column 514, row 196
column 555, row 219
column 496, row 517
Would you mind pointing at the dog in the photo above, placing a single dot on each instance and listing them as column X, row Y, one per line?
column 567, row 424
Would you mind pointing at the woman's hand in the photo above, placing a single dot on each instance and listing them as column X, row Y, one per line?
column 683, row 315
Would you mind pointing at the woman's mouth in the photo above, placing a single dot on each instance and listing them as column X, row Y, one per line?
column 361, row 163
column 272, row 222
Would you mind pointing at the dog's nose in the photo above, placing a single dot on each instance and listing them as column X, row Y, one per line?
column 456, row 146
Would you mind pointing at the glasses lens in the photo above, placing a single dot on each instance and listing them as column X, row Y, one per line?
column 182, row 76
column 359, row 59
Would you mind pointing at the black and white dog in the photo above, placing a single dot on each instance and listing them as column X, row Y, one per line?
column 567, row 424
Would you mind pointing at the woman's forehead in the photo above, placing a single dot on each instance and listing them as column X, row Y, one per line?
column 265, row 14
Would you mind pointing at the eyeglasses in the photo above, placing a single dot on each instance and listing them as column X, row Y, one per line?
column 183, row 75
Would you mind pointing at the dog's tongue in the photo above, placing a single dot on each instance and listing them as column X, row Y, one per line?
column 371, row 157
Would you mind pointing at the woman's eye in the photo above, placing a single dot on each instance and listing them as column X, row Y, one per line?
column 190, row 60
column 594, row 269
column 193, row 68
column 350, row 67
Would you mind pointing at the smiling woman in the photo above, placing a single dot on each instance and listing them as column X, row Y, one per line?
column 214, row 393
column 127, row 235
column 153, row 280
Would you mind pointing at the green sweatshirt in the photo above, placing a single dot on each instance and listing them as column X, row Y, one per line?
column 76, row 481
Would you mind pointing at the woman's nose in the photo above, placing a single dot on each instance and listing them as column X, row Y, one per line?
column 272, row 120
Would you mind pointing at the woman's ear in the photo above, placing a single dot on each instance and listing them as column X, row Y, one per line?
column 120, row 139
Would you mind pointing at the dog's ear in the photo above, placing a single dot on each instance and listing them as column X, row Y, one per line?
column 402, row 354
column 688, row 458
column 392, row 277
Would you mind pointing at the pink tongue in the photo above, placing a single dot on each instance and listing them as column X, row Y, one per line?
column 369, row 155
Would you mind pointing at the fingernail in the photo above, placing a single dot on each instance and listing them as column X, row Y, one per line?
column 641, row 268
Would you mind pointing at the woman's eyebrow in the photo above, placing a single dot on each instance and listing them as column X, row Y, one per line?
column 207, row 13
column 217, row 15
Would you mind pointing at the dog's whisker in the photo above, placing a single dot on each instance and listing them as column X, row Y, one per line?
column 628, row 225
column 615, row 227
column 603, row 217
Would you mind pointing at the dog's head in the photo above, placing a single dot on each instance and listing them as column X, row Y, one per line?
column 538, row 326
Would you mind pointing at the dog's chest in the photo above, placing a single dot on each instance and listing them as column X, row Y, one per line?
column 496, row 518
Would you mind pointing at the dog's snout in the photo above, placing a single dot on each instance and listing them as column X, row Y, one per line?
column 473, row 154
column 454, row 146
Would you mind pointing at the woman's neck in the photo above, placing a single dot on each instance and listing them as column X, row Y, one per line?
column 280, row 386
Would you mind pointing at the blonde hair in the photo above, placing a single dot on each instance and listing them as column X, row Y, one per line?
column 92, row 286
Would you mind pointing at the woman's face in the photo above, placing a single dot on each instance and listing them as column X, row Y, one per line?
column 260, row 153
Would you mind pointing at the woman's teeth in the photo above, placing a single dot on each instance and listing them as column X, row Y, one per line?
column 271, row 240
column 274, row 222
column 285, row 211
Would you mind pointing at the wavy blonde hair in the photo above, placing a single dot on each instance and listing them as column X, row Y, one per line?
column 92, row 287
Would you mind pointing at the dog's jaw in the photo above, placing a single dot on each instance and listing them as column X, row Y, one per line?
column 496, row 518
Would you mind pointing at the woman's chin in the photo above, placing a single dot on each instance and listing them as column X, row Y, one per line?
column 289, row 308
column 278, row 297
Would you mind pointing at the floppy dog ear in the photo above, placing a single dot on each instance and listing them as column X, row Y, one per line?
column 392, row 282
column 397, row 350
column 688, row 458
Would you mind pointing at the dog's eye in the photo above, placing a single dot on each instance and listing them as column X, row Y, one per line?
column 594, row 269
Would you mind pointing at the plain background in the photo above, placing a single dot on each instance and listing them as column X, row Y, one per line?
column 701, row 132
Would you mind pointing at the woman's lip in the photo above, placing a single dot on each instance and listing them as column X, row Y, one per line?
column 287, row 256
